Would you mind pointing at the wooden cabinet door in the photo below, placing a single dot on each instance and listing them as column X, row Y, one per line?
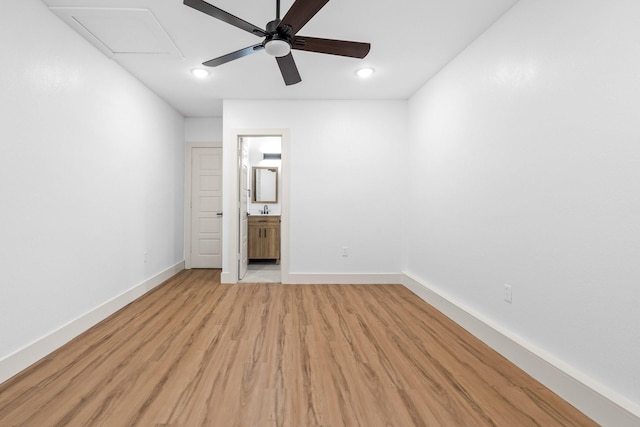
column 255, row 241
column 271, row 241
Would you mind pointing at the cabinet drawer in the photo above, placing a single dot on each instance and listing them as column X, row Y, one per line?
column 264, row 220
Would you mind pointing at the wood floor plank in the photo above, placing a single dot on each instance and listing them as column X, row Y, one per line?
column 194, row 352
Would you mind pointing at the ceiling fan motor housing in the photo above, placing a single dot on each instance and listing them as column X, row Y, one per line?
column 278, row 40
column 272, row 27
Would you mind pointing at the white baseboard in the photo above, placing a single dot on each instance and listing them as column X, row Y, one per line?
column 228, row 278
column 340, row 279
column 329, row 279
column 25, row 357
column 603, row 405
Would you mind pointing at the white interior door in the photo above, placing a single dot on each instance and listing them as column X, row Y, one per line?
column 243, row 179
column 206, row 207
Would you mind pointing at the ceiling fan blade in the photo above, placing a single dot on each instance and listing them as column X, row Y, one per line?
column 331, row 47
column 289, row 69
column 300, row 13
column 233, row 55
column 220, row 14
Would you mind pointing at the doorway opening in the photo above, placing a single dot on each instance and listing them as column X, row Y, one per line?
column 260, row 198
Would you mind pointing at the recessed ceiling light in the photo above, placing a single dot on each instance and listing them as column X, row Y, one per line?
column 364, row 73
column 200, row 73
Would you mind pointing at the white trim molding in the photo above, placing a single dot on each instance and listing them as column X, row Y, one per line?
column 597, row 401
column 342, row 279
column 228, row 278
column 28, row 355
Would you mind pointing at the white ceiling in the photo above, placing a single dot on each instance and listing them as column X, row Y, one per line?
column 160, row 41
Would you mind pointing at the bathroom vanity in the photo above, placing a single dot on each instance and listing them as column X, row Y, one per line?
column 264, row 237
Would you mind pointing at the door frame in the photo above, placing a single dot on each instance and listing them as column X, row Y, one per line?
column 243, row 160
column 189, row 146
column 230, row 204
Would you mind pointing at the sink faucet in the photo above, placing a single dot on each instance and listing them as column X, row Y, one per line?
column 266, row 209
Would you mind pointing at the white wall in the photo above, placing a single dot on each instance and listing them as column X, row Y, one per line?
column 203, row 129
column 91, row 178
column 525, row 170
column 344, row 180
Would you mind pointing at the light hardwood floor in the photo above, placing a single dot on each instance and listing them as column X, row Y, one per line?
column 194, row 352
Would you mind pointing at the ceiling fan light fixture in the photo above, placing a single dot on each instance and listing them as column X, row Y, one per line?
column 365, row 73
column 277, row 47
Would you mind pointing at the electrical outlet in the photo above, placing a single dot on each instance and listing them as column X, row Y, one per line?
column 345, row 251
column 508, row 293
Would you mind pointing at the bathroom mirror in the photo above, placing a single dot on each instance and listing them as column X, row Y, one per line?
column 265, row 184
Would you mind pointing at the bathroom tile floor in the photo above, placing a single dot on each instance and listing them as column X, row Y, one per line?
column 262, row 272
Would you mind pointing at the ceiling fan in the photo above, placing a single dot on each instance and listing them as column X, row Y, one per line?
column 280, row 36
